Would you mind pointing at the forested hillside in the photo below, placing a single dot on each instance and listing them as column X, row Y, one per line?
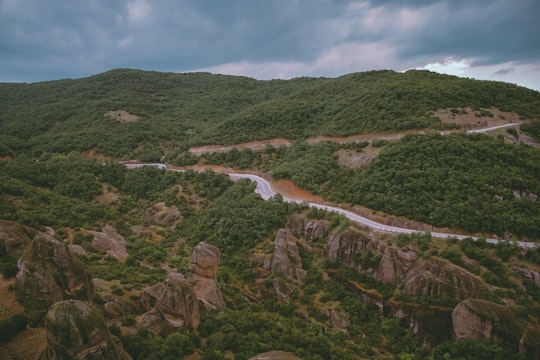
column 179, row 110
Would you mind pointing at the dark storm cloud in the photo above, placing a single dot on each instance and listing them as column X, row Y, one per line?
column 42, row 40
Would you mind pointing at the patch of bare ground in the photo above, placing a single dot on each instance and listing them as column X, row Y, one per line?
column 93, row 154
column 362, row 137
column 253, row 145
column 470, row 119
column 356, row 160
column 122, row 116
column 28, row 344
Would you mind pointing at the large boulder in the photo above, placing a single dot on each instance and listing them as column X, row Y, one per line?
column 174, row 301
column 439, row 278
column 484, row 320
column 202, row 272
column 49, row 273
column 76, row 330
column 110, row 241
column 15, row 237
column 394, row 264
column 286, row 259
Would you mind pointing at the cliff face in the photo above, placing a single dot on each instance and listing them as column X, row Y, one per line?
column 485, row 320
column 440, row 278
column 76, row 330
column 49, row 273
column 202, row 272
column 170, row 304
column 286, row 260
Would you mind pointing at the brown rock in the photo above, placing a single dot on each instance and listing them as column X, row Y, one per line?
column 202, row 272
column 76, row 330
column 159, row 214
column 276, row 355
column 528, row 274
column 110, row 241
column 440, row 278
column 345, row 247
column 485, row 320
column 309, row 229
column 286, row 259
column 16, row 237
column 339, row 319
column 529, row 344
column 174, row 300
column 394, row 264
column 49, row 273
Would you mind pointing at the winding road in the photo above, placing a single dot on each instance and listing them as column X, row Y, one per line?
column 264, row 189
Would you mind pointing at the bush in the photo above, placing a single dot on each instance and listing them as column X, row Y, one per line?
column 11, row 327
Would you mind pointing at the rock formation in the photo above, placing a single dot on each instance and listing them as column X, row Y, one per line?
column 431, row 325
column 529, row 344
column 202, row 272
column 309, row 229
column 345, row 247
column 440, row 278
column 528, row 274
column 110, row 241
column 173, row 301
column 76, row 330
column 394, row 264
column 159, row 214
column 49, row 273
column 485, row 320
column 286, row 260
column 15, row 237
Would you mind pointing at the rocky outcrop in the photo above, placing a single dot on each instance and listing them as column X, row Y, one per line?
column 159, row 214
column 394, row 264
column 309, row 229
column 529, row 344
column 431, row 325
column 76, row 330
column 15, row 237
column 49, row 273
column 440, row 278
column 172, row 301
column 352, row 248
column 110, row 241
column 528, row 274
column 339, row 319
column 485, row 320
column 202, row 272
column 346, row 247
column 286, row 260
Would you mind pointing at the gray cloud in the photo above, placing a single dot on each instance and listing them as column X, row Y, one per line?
column 56, row 39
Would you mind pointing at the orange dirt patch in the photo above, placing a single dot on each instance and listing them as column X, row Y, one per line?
column 122, row 116
column 253, row 145
column 288, row 189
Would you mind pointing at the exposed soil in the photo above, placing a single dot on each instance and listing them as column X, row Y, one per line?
column 469, row 119
column 29, row 344
column 253, row 145
column 288, row 189
column 122, row 116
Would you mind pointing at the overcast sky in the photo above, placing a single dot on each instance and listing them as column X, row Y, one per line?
column 265, row 39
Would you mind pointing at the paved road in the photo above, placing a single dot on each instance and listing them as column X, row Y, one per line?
column 492, row 128
column 264, row 189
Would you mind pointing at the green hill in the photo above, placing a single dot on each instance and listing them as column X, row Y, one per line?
column 181, row 110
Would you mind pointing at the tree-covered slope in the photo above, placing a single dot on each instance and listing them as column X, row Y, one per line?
column 179, row 110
